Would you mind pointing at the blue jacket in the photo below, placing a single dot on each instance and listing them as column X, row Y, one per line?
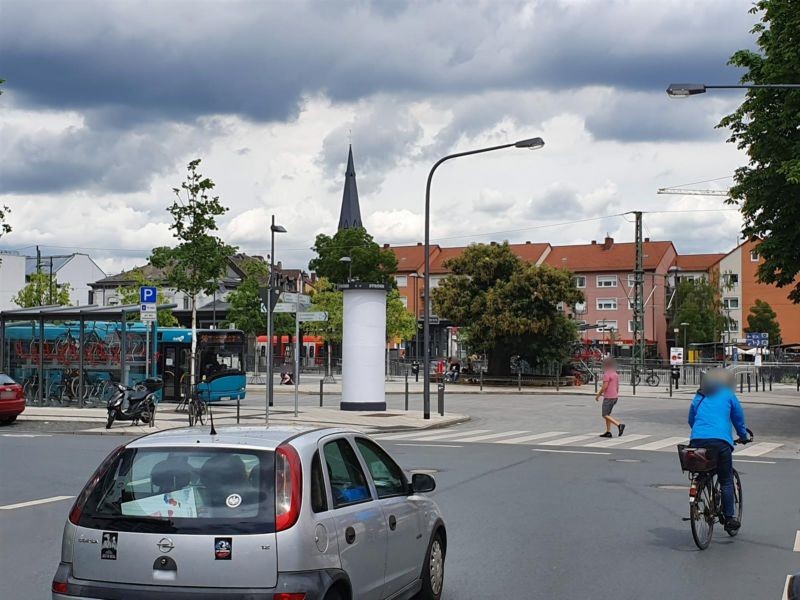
column 711, row 416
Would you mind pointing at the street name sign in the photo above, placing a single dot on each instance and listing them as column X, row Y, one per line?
column 295, row 298
column 312, row 316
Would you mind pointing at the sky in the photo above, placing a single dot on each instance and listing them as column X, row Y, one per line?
column 107, row 101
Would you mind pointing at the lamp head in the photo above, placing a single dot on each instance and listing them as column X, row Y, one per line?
column 278, row 228
column 531, row 144
column 684, row 90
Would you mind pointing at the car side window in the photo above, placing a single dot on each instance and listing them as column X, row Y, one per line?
column 348, row 483
column 387, row 475
column 319, row 499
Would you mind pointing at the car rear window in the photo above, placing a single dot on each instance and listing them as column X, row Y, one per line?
column 185, row 491
column 6, row 380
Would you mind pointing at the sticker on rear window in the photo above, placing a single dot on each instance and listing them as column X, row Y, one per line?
column 233, row 500
column 108, row 549
column 223, row 548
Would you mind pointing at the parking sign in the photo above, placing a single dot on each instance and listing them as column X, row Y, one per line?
column 148, row 295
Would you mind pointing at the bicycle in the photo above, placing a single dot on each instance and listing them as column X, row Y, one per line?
column 196, row 408
column 705, row 496
column 652, row 379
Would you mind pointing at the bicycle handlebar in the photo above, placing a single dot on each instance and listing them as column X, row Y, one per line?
column 747, row 441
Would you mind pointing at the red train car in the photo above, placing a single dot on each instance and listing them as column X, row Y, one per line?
column 312, row 348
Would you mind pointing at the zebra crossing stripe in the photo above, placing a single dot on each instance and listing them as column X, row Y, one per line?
column 425, row 437
column 418, row 434
column 617, row 441
column 660, row 444
column 757, row 449
column 530, row 438
column 490, row 436
column 569, row 441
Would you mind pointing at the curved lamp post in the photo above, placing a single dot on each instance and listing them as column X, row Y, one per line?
column 531, row 144
column 684, row 90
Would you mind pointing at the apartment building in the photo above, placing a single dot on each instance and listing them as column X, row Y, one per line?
column 12, row 278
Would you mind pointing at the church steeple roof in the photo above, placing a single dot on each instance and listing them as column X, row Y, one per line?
column 350, row 215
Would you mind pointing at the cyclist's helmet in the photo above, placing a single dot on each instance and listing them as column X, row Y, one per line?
column 716, row 379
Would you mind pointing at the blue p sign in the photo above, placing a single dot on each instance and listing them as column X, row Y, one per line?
column 148, row 295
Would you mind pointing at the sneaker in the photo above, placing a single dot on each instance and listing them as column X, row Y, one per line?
column 607, row 434
column 621, row 429
column 732, row 524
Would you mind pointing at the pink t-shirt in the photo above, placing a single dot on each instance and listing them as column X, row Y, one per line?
column 612, row 389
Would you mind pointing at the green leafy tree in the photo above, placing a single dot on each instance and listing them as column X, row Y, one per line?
column 370, row 262
column 41, row 290
column 247, row 311
column 199, row 260
column 762, row 319
column 508, row 307
column 5, row 228
column 766, row 126
column 130, row 295
column 400, row 322
column 698, row 304
column 330, row 300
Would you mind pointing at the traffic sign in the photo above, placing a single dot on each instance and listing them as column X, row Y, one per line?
column 148, row 312
column 433, row 319
column 148, row 294
column 283, row 307
column 295, row 298
column 675, row 356
column 312, row 316
column 757, row 339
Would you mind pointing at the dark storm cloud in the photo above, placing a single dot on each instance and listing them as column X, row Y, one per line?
column 179, row 60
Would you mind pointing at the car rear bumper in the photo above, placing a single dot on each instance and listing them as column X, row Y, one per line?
column 11, row 408
column 313, row 583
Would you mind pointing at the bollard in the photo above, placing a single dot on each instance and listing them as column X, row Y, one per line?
column 441, row 399
column 770, row 380
column 406, row 391
column 670, row 384
column 237, row 410
column 749, row 389
column 595, row 381
column 633, row 380
column 558, row 378
column 321, row 391
column 741, row 383
column 758, row 376
column 798, row 380
column 519, row 381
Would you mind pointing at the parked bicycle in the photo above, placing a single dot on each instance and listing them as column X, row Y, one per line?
column 705, row 496
column 651, row 377
column 196, row 408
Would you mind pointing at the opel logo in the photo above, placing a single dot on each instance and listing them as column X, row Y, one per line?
column 165, row 545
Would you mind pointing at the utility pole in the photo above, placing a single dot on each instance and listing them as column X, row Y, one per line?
column 39, row 268
column 638, row 297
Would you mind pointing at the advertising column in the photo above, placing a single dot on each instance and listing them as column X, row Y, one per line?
column 363, row 346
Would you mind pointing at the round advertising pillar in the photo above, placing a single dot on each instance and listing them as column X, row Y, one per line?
column 363, row 346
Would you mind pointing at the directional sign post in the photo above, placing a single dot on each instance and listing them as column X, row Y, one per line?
column 757, row 340
column 283, row 307
column 312, row 316
column 148, row 313
column 294, row 298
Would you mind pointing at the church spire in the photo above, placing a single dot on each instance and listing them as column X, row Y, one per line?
column 350, row 215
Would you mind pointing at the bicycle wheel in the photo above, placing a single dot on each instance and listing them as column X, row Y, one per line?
column 737, row 490
column 653, row 380
column 201, row 412
column 191, row 409
column 701, row 514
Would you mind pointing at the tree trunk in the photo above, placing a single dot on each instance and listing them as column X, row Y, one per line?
column 193, row 353
column 330, row 371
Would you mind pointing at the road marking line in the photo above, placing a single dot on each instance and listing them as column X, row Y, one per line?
column 27, row 435
column 429, row 445
column 35, row 502
column 658, row 445
column 569, row 441
column 756, row 462
column 617, row 441
column 528, row 438
column 757, row 449
column 420, row 434
column 567, row 451
column 797, row 542
column 490, row 436
column 424, row 437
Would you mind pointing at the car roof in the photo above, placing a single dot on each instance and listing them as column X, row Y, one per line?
column 260, row 437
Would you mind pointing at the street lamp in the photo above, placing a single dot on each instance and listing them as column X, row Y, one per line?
column 684, row 90
column 531, row 144
column 273, row 229
column 349, row 261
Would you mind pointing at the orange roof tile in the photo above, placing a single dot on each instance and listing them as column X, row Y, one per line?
column 410, row 258
column 529, row 252
column 594, row 257
column 697, row 262
column 444, row 254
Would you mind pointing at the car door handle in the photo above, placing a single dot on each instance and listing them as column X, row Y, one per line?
column 392, row 522
column 350, row 535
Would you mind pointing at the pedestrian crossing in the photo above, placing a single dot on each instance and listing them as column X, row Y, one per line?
column 557, row 439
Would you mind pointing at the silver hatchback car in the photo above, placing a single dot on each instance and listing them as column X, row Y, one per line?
column 253, row 514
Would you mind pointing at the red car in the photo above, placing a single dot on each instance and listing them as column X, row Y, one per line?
column 12, row 399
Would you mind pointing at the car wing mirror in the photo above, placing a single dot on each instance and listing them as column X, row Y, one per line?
column 422, row 483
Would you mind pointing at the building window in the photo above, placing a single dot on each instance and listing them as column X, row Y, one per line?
column 631, row 280
column 731, row 279
column 580, row 308
column 606, row 281
column 606, row 325
column 753, row 256
column 733, row 325
column 579, row 281
column 630, row 303
column 186, row 303
column 606, row 304
column 682, row 278
column 402, row 280
column 631, row 327
column 560, row 307
column 435, row 279
column 730, row 302
column 404, row 300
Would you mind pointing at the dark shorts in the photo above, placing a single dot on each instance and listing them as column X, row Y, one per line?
column 608, row 406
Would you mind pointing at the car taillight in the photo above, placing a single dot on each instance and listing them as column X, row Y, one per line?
column 285, row 596
column 60, row 587
column 80, row 501
column 288, row 490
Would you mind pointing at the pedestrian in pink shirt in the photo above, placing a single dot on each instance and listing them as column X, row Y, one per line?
column 610, row 393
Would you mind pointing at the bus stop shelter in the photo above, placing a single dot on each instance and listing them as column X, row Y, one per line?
column 39, row 316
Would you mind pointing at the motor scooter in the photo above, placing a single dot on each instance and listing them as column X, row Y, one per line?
column 140, row 405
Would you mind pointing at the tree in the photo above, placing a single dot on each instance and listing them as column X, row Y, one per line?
column 200, row 259
column 698, row 304
column 762, row 319
column 766, row 125
column 4, row 226
column 42, row 289
column 400, row 322
column 370, row 262
column 508, row 307
column 246, row 306
column 130, row 295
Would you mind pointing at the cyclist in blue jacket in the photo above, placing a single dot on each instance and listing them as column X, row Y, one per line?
column 715, row 411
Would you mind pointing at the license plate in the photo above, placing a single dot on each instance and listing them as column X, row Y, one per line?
column 8, row 395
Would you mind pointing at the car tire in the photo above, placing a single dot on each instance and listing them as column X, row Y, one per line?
column 334, row 594
column 8, row 420
column 110, row 420
column 433, row 569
